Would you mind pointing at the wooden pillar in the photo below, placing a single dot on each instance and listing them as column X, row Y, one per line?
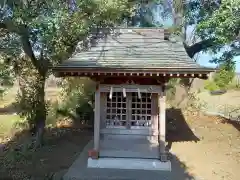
column 162, row 124
column 103, row 109
column 154, row 117
column 94, row 153
column 97, row 119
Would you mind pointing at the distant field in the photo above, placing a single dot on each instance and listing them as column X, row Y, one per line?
column 9, row 97
column 7, row 111
column 221, row 103
column 7, row 122
column 51, row 93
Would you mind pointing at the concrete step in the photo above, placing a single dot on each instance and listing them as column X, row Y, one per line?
column 137, row 148
column 132, row 137
column 129, row 163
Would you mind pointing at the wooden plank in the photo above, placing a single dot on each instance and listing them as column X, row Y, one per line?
column 103, row 106
column 154, row 113
column 129, row 109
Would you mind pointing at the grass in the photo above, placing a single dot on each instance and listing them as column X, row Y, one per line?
column 7, row 119
column 7, row 122
column 9, row 97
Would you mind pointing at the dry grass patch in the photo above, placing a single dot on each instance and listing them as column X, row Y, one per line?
column 7, row 125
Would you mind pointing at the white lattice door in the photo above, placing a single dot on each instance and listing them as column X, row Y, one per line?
column 140, row 111
column 127, row 131
column 116, row 111
column 131, row 112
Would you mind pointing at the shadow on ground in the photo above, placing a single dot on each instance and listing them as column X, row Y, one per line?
column 235, row 124
column 180, row 170
column 61, row 146
column 177, row 128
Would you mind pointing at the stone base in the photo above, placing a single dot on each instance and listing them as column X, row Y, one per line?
column 129, row 163
column 93, row 154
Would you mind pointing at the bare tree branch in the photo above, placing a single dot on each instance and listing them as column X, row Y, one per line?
column 197, row 47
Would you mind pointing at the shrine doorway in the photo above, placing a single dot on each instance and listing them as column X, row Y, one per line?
column 129, row 126
column 130, row 112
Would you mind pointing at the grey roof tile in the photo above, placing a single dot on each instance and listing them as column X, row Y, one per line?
column 133, row 48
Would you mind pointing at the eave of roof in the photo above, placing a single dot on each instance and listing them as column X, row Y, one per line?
column 133, row 69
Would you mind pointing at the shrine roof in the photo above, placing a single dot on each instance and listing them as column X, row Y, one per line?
column 134, row 48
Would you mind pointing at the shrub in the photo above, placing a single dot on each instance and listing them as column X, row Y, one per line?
column 211, row 85
column 52, row 115
column 77, row 97
column 223, row 78
column 171, row 89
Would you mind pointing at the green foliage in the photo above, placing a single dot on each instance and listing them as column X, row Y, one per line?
column 223, row 78
column 211, row 85
column 171, row 89
column 45, row 33
column 76, row 101
column 8, row 124
column 77, row 96
column 29, row 98
column 226, row 73
column 224, row 23
column 222, row 27
column 6, row 77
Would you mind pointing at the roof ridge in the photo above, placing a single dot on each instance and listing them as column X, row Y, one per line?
column 134, row 27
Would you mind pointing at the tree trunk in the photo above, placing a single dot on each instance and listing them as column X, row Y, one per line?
column 180, row 21
column 41, row 111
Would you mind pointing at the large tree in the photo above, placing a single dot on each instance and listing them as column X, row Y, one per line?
column 218, row 26
column 38, row 34
column 217, row 22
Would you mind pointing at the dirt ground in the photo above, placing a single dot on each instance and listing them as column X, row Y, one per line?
column 209, row 148
column 216, row 153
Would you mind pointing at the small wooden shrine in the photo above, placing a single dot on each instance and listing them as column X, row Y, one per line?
column 131, row 67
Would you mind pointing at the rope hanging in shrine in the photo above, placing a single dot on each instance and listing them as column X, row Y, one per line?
column 111, row 92
column 124, row 93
